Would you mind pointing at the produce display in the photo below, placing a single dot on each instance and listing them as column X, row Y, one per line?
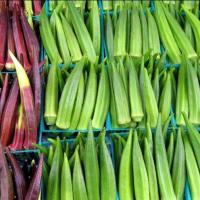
column 70, row 102
column 134, row 33
column 19, row 38
column 20, row 107
column 137, row 93
column 71, row 33
column 99, row 100
column 32, row 7
column 131, row 33
column 117, row 5
column 155, row 166
column 15, row 183
column 79, row 170
column 80, row 5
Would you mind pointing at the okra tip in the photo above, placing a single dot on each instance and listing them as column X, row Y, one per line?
column 21, row 74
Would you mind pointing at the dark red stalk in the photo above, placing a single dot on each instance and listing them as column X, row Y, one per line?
column 6, row 184
column 34, row 187
column 18, row 140
column 30, row 118
column 11, row 46
column 37, row 7
column 9, row 115
column 27, row 104
column 4, row 94
column 19, row 41
column 37, row 89
column 20, row 182
column 31, row 40
column 3, row 36
column 13, row 4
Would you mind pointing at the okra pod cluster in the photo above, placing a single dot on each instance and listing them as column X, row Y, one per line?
column 139, row 92
column 84, row 97
column 70, row 165
column 72, row 35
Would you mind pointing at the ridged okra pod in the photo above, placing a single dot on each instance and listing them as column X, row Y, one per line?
column 68, row 96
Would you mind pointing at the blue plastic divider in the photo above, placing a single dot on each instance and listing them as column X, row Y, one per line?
column 187, row 191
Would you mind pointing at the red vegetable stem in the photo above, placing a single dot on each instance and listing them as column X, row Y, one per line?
column 10, row 45
column 18, row 140
column 37, row 7
column 3, row 36
column 15, row 4
column 34, row 187
column 31, row 40
column 4, row 94
column 27, row 103
column 20, row 182
column 19, row 41
column 30, row 125
column 6, row 184
column 37, row 89
column 9, row 115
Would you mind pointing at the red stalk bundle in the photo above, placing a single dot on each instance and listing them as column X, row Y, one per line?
column 34, row 51
column 20, row 182
column 27, row 103
column 34, row 187
column 9, row 115
column 30, row 38
column 37, row 7
column 13, row 4
column 17, row 143
column 6, row 184
column 3, row 35
column 4, row 94
column 10, row 45
column 19, row 41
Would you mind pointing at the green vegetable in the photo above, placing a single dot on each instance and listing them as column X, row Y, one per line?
column 151, row 171
column 82, row 33
column 103, row 100
column 162, row 167
column 79, row 189
column 141, row 184
column 120, row 97
column 51, row 96
column 136, row 34
column 120, row 34
column 192, row 169
column 134, row 93
column 178, row 167
column 48, row 38
column 68, row 96
column 108, row 182
column 125, row 171
column 66, row 182
column 166, row 34
column 89, row 99
column 91, row 165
